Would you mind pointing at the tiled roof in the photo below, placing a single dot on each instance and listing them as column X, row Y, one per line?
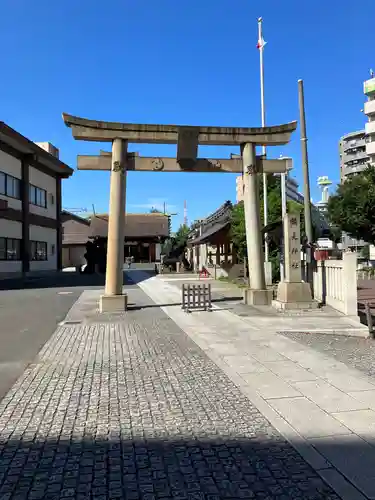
column 76, row 230
column 211, row 225
column 136, row 225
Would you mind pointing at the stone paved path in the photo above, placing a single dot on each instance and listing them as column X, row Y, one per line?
column 358, row 353
column 136, row 410
column 322, row 406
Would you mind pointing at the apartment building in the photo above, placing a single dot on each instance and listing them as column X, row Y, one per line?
column 291, row 188
column 353, row 155
column 30, row 204
column 369, row 110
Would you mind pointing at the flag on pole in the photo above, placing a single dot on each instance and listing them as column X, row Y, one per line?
column 261, row 43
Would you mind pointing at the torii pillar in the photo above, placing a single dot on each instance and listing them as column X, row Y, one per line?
column 257, row 293
column 113, row 299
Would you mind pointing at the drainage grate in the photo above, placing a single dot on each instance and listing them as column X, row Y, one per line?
column 72, row 322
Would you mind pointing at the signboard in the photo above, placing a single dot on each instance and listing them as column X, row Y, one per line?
column 369, row 86
column 292, row 248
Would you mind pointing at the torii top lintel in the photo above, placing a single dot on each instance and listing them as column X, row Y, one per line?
column 101, row 131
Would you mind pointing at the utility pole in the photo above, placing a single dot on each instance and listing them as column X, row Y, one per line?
column 306, row 185
column 260, row 46
column 185, row 214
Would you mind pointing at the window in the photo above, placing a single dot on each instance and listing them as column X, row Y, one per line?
column 38, row 196
column 13, row 187
column 2, row 183
column 10, row 249
column 38, row 250
column 10, row 186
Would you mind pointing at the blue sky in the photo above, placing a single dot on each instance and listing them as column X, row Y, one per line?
column 185, row 62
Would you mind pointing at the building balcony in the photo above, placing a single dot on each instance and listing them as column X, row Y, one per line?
column 370, row 148
column 370, row 128
column 360, row 156
column 355, row 169
column 354, row 143
column 369, row 108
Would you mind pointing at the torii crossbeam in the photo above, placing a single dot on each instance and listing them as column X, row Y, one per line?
column 187, row 139
column 162, row 164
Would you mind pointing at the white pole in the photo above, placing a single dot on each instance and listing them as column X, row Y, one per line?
column 263, row 113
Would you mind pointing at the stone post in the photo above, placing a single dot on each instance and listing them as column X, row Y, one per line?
column 113, row 300
column 292, row 292
column 349, row 267
column 257, row 294
column 292, row 248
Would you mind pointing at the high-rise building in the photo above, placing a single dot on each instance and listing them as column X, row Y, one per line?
column 353, row 160
column 292, row 194
column 353, row 155
column 369, row 110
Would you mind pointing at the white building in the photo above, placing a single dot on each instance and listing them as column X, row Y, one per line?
column 369, row 110
column 30, row 204
column 353, row 156
column 291, row 189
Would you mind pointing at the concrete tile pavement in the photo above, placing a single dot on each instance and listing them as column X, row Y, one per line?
column 316, row 402
column 130, row 407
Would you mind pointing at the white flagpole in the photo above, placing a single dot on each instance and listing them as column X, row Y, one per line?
column 264, row 152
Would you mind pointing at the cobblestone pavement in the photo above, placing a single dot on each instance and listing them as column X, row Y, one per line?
column 136, row 410
column 355, row 352
column 366, row 292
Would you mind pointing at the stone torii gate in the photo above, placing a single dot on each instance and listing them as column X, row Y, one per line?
column 187, row 138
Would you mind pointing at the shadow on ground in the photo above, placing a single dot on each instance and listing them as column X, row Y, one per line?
column 63, row 280
column 135, row 307
column 117, row 466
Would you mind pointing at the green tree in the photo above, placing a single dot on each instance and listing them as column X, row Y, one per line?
column 352, row 207
column 155, row 211
column 181, row 235
column 365, row 252
column 238, row 229
column 176, row 245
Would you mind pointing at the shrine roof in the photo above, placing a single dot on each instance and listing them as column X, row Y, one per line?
column 214, row 223
column 136, row 225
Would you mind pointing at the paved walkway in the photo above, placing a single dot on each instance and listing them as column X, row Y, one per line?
column 366, row 294
column 157, row 404
column 323, row 407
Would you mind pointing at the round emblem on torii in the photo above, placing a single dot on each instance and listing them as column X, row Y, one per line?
column 252, row 169
column 119, row 166
column 157, row 164
column 216, row 163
